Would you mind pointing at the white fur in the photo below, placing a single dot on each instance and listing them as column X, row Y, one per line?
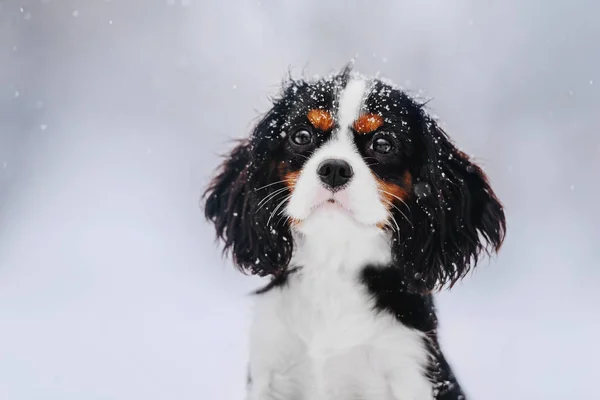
column 361, row 198
column 351, row 101
column 318, row 337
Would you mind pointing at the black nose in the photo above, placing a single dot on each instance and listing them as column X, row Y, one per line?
column 335, row 173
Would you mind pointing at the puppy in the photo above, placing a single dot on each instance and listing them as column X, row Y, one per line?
column 357, row 205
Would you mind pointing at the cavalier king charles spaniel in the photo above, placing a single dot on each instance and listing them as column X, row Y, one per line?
column 357, row 205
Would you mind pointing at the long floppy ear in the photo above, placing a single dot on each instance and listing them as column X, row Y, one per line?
column 455, row 215
column 257, row 244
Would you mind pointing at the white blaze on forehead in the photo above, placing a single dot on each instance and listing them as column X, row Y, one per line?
column 351, row 100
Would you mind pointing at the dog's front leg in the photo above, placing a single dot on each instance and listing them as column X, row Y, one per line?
column 273, row 352
column 407, row 385
column 259, row 388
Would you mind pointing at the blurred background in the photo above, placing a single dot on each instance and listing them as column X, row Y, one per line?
column 112, row 116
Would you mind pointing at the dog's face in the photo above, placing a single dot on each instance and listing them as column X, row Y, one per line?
column 334, row 158
column 362, row 149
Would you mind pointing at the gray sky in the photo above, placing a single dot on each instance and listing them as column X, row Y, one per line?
column 111, row 116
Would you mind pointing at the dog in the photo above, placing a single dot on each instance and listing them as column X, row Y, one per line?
column 358, row 206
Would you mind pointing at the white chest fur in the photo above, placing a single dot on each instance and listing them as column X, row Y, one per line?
column 318, row 336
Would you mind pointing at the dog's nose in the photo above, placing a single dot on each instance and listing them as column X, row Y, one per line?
column 335, row 173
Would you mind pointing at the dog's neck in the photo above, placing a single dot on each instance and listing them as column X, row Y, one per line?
column 332, row 242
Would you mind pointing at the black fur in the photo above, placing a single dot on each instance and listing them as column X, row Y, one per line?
column 232, row 204
column 247, row 189
column 452, row 215
column 448, row 218
column 452, row 223
column 416, row 311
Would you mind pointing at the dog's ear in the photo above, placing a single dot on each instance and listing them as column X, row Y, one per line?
column 455, row 215
column 258, row 243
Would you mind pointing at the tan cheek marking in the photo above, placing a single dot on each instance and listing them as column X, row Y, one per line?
column 289, row 179
column 320, row 119
column 294, row 221
column 368, row 123
column 391, row 192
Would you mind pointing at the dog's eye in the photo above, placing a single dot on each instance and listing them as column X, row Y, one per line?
column 302, row 137
column 382, row 145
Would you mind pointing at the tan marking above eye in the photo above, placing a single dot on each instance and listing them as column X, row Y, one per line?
column 320, row 119
column 368, row 123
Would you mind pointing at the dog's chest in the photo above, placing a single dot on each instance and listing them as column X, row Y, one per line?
column 329, row 314
column 331, row 343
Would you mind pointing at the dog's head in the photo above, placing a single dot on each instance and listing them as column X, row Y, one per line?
column 363, row 149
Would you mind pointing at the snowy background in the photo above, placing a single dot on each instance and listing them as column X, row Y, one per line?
column 111, row 116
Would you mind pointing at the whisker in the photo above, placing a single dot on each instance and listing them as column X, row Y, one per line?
column 269, row 197
column 404, row 215
column 391, row 218
column 395, row 223
column 393, row 195
column 277, row 208
column 287, row 218
column 273, row 183
column 399, row 210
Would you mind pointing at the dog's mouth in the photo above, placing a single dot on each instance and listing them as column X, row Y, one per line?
column 332, row 204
